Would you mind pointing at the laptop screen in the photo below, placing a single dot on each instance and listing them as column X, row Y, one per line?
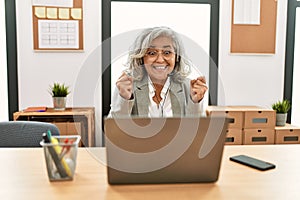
column 164, row 150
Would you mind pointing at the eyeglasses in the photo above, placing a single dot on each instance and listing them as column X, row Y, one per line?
column 153, row 54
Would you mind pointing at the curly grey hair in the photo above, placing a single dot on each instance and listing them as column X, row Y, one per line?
column 139, row 48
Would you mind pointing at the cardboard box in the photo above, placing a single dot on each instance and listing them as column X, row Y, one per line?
column 69, row 128
column 236, row 116
column 234, row 137
column 74, row 128
column 62, row 126
column 287, row 134
column 259, row 118
column 258, row 136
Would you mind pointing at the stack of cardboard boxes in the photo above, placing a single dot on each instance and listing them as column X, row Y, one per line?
column 235, row 126
column 254, row 125
column 248, row 124
column 259, row 126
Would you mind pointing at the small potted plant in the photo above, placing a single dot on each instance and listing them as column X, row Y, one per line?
column 281, row 108
column 59, row 93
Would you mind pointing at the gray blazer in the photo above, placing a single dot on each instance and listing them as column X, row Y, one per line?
column 182, row 104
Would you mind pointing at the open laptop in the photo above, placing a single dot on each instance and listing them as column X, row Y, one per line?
column 164, row 150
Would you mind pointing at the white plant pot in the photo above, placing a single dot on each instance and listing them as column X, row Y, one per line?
column 59, row 103
column 281, row 119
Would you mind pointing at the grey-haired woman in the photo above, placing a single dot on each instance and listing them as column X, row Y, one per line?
column 155, row 83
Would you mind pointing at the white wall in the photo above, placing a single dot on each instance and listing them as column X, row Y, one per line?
column 37, row 70
column 3, row 64
column 248, row 80
column 251, row 79
column 296, row 73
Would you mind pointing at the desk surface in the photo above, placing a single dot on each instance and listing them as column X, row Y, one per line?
column 24, row 176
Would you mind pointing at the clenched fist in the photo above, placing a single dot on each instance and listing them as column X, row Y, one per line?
column 198, row 89
column 125, row 86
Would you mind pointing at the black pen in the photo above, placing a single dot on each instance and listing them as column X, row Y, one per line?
column 62, row 172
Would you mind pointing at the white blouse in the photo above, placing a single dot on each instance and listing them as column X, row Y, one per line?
column 164, row 109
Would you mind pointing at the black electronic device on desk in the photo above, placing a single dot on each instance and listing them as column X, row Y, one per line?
column 253, row 162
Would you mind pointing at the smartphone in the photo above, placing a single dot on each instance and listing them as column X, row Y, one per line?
column 252, row 162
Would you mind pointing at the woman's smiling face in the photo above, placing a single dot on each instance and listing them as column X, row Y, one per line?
column 159, row 59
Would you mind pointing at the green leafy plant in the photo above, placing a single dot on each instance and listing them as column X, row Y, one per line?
column 59, row 90
column 282, row 106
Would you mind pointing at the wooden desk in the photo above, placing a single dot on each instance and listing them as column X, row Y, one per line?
column 24, row 176
column 84, row 117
